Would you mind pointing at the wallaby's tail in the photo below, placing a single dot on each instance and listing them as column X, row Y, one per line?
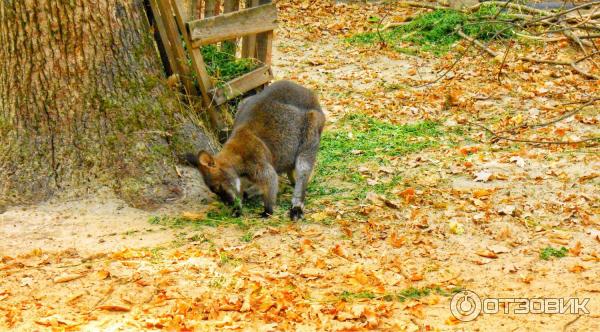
column 191, row 159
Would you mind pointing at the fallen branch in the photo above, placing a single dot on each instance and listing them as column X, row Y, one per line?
column 584, row 104
column 418, row 4
column 496, row 138
column 495, row 54
column 514, row 6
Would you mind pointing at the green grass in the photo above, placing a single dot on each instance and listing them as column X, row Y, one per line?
column 411, row 293
column 435, row 31
column 549, row 252
column 224, row 66
column 363, row 140
column 359, row 140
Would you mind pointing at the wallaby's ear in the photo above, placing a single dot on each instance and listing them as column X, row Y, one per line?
column 205, row 159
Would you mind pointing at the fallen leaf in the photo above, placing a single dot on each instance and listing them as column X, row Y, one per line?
column 416, row 277
column 113, row 308
column 518, row 160
column 498, row 249
column 408, row 194
column 576, row 250
column 486, row 254
column 577, row 268
column 456, row 227
column 67, row 277
column 482, row 176
column 397, row 241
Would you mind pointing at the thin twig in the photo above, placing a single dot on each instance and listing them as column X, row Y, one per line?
column 496, row 138
column 571, row 322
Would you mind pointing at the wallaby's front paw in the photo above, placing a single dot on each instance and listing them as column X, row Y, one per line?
column 266, row 214
column 296, row 213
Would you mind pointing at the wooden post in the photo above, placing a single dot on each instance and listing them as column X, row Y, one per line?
column 165, row 53
column 188, row 9
column 264, row 42
column 249, row 42
column 210, row 8
column 200, row 69
column 171, row 34
column 230, row 46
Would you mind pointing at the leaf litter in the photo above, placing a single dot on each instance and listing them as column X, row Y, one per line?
column 391, row 233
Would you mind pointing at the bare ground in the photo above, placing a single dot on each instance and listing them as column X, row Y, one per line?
column 479, row 217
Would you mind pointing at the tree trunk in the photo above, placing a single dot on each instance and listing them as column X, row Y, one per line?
column 83, row 102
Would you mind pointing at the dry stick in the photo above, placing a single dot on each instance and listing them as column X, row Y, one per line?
column 593, row 44
column 419, row 5
column 529, row 59
column 511, row 5
column 571, row 322
column 510, row 45
column 558, row 119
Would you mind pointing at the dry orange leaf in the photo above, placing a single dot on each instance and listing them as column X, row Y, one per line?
column 114, row 308
column 337, row 250
column 576, row 250
column 103, row 274
column 67, row 277
column 408, row 194
column 416, row 277
column 577, row 268
column 487, row 254
column 397, row 241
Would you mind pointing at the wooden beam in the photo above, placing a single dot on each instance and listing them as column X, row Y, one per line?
column 236, row 24
column 242, row 84
column 172, row 35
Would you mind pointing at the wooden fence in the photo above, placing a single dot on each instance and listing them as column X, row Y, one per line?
column 184, row 28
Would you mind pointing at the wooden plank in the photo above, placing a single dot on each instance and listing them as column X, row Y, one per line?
column 179, row 54
column 264, row 42
column 210, row 8
column 186, row 9
column 249, row 42
column 242, row 84
column 235, row 24
column 199, row 67
column 267, row 53
column 230, row 46
column 162, row 42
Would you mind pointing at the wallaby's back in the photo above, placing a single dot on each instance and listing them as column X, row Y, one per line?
column 278, row 116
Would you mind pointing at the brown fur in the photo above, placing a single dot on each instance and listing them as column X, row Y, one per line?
column 275, row 132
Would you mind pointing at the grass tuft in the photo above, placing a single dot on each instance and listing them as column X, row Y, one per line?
column 435, row 31
column 549, row 252
column 224, row 66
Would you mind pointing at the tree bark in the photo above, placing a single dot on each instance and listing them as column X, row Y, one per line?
column 83, row 101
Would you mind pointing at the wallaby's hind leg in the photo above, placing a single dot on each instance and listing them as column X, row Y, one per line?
column 292, row 177
column 305, row 161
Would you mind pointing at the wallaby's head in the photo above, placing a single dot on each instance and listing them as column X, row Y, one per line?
column 222, row 181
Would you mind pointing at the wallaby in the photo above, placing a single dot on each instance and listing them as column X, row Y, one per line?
column 276, row 131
